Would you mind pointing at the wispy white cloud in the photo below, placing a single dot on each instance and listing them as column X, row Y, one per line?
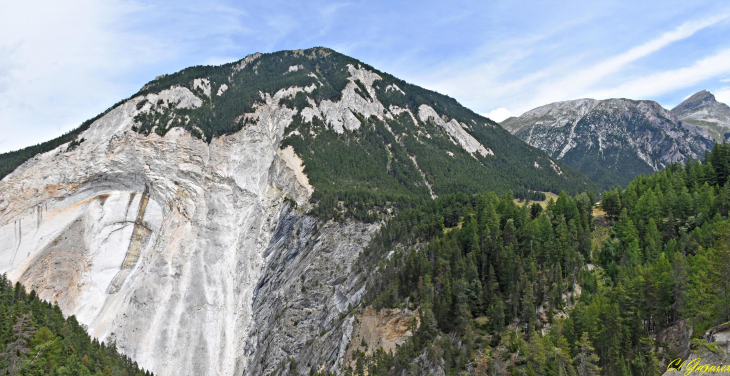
column 499, row 82
column 579, row 84
column 666, row 81
column 60, row 60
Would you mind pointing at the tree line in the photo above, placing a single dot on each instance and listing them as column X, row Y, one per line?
column 38, row 341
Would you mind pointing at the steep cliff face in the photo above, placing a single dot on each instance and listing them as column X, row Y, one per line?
column 610, row 141
column 154, row 242
column 703, row 110
column 303, row 307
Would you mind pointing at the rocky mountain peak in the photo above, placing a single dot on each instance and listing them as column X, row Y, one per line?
column 697, row 101
column 703, row 109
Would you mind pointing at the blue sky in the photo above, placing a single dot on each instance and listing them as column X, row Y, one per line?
column 64, row 62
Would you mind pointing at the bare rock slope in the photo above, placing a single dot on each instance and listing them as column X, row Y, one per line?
column 711, row 354
column 612, row 140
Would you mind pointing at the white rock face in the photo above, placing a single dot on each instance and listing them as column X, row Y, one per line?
column 456, row 130
column 340, row 115
column 294, row 164
column 203, row 84
column 180, row 224
column 394, row 87
column 178, row 96
column 246, row 61
column 222, row 89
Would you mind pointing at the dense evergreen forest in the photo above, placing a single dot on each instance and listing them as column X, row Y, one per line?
column 38, row 341
column 549, row 291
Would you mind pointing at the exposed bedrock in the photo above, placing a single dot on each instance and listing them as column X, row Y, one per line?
column 156, row 243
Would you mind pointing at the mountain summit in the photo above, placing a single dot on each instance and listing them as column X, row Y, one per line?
column 702, row 109
column 610, row 141
column 208, row 225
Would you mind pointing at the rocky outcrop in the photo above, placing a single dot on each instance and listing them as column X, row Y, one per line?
column 710, row 354
column 703, row 110
column 455, row 130
column 385, row 329
column 612, row 140
column 674, row 342
column 303, row 304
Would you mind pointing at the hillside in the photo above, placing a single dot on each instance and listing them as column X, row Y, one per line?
column 355, row 225
column 503, row 289
column 703, row 110
column 38, row 340
column 610, row 141
column 375, row 137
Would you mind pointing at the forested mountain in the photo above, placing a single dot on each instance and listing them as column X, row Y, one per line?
column 210, row 223
column 363, row 135
column 502, row 288
column 703, row 110
column 610, row 141
column 37, row 341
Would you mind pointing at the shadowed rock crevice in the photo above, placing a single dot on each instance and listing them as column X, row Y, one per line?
column 141, row 235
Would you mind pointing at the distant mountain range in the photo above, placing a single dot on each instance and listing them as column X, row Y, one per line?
column 611, row 141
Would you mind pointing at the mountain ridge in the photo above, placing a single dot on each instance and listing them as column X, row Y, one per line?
column 593, row 136
column 327, row 91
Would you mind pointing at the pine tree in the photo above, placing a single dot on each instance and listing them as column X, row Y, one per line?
column 611, row 203
column 652, row 241
column 536, row 352
column 528, row 307
column 560, row 355
column 496, row 315
column 23, row 331
column 586, row 361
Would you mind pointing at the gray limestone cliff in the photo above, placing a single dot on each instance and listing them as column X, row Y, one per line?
column 711, row 350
